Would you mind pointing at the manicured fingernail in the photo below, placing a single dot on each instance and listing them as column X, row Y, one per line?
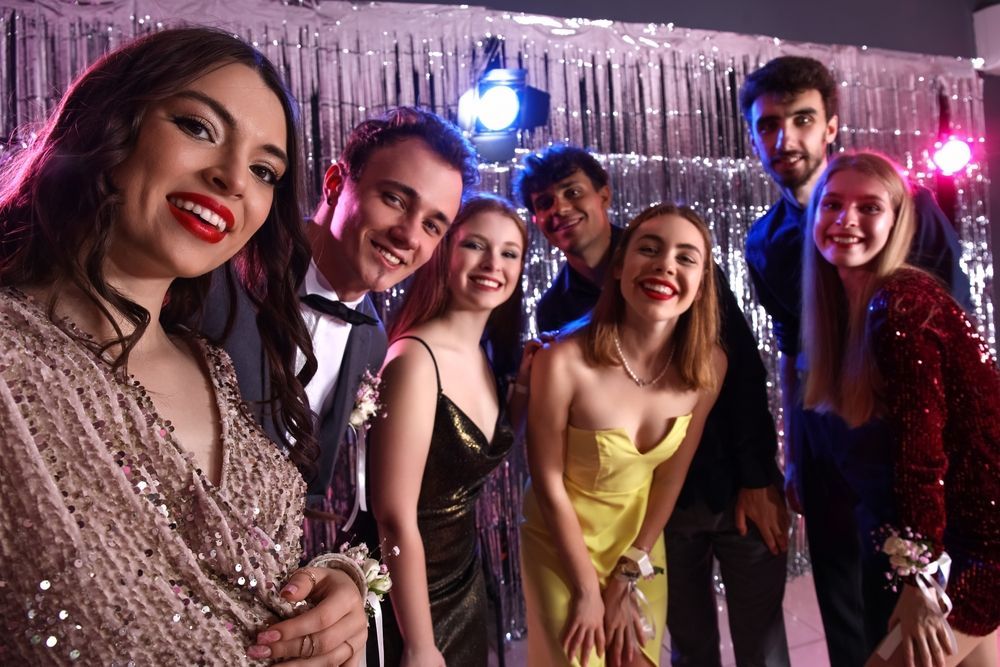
column 289, row 589
column 268, row 636
column 258, row 652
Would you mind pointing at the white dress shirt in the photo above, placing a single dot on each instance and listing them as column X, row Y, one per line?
column 329, row 337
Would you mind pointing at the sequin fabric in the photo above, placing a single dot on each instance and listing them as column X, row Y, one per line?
column 459, row 460
column 942, row 391
column 114, row 548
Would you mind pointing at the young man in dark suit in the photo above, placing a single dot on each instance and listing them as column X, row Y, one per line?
column 386, row 205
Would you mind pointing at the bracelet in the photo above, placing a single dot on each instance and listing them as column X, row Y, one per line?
column 344, row 564
column 641, row 560
column 371, row 577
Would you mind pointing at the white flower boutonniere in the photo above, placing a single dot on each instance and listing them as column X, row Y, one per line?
column 366, row 403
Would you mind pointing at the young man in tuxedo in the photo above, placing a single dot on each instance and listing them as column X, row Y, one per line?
column 386, row 205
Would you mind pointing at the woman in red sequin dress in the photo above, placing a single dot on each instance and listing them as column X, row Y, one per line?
column 885, row 340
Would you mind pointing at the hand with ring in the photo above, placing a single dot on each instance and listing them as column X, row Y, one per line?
column 333, row 632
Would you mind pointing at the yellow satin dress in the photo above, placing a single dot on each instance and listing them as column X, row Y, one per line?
column 608, row 481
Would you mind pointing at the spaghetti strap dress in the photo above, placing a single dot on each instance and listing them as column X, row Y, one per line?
column 459, row 461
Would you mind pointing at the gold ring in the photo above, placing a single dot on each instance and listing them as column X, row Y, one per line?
column 312, row 647
column 312, row 577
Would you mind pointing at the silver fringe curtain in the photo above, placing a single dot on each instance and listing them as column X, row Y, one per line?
column 656, row 103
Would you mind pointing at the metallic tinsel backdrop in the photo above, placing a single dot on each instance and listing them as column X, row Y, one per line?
column 655, row 102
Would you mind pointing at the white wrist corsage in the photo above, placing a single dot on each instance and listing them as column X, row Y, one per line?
column 909, row 554
column 912, row 559
column 369, row 575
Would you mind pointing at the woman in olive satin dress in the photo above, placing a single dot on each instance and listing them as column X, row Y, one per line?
column 443, row 433
column 617, row 409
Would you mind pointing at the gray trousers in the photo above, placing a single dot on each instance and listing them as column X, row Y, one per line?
column 755, row 587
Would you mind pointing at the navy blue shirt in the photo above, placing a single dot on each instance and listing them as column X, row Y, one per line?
column 738, row 446
column 774, row 257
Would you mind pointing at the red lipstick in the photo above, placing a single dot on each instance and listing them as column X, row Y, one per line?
column 653, row 294
column 195, row 224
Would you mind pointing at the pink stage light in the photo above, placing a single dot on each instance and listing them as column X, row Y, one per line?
column 952, row 155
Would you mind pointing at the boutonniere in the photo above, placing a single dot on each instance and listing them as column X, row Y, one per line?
column 366, row 403
column 366, row 406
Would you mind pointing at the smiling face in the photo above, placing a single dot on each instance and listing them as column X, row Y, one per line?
column 790, row 135
column 663, row 267
column 572, row 213
column 854, row 219
column 487, row 255
column 201, row 178
column 388, row 222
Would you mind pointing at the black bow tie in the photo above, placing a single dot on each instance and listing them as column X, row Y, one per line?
column 337, row 309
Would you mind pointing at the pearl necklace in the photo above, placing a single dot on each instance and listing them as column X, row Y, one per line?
column 628, row 369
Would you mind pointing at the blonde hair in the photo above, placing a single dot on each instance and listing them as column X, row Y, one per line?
column 697, row 330
column 842, row 373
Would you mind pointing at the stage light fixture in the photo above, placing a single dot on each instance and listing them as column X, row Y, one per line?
column 498, row 107
column 952, row 155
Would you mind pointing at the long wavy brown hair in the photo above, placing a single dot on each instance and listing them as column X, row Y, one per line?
column 428, row 296
column 697, row 330
column 59, row 209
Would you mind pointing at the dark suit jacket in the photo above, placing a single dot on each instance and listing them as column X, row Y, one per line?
column 366, row 348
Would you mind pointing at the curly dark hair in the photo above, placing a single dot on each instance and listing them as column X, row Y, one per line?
column 554, row 164
column 399, row 123
column 59, row 208
column 787, row 76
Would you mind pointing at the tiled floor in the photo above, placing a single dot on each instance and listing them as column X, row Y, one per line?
column 802, row 624
column 807, row 646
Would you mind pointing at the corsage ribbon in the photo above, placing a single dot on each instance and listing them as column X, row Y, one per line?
column 376, row 608
column 932, row 588
column 638, row 599
column 360, row 475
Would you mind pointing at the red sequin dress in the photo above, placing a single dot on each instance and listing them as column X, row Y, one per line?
column 942, row 393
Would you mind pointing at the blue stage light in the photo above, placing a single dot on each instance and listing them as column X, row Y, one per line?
column 498, row 108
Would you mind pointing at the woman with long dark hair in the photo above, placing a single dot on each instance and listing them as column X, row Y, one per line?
column 443, row 433
column 616, row 413
column 144, row 517
column 884, row 341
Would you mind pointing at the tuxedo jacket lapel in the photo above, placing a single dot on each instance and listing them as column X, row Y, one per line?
column 366, row 347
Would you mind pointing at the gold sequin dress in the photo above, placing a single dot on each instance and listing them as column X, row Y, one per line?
column 114, row 548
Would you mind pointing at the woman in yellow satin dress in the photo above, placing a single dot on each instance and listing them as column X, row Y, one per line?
column 617, row 409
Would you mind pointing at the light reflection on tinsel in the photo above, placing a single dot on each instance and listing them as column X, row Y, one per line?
column 656, row 103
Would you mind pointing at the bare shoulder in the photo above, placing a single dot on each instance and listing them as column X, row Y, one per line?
column 408, row 363
column 563, row 353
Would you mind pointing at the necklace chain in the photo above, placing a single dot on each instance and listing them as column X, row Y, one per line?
column 631, row 373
